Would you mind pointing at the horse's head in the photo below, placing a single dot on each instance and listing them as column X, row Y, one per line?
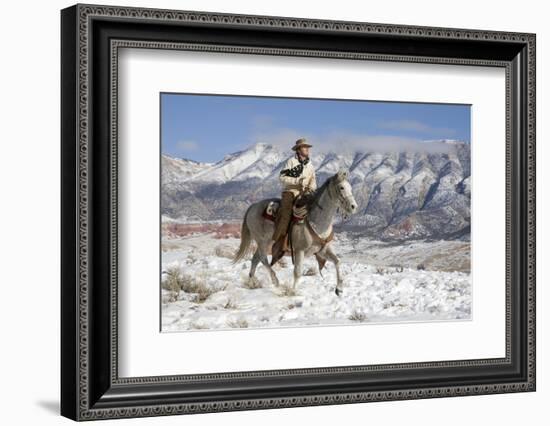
column 342, row 190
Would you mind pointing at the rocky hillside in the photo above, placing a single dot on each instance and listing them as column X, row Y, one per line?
column 401, row 195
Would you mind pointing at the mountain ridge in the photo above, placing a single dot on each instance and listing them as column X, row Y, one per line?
column 401, row 194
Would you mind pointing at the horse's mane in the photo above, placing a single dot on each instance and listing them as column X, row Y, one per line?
column 314, row 197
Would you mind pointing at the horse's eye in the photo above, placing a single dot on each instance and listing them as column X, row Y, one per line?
column 342, row 188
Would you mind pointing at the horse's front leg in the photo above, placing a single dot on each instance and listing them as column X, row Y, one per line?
column 330, row 255
column 298, row 260
column 272, row 273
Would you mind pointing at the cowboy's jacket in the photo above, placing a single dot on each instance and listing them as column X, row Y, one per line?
column 293, row 171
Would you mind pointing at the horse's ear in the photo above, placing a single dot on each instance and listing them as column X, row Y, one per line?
column 342, row 175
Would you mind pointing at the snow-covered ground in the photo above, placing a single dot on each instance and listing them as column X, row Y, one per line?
column 202, row 289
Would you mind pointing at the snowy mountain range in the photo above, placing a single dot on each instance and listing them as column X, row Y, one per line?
column 401, row 195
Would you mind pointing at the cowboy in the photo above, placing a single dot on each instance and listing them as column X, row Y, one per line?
column 298, row 179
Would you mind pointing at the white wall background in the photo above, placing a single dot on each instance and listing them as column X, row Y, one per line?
column 29, row 212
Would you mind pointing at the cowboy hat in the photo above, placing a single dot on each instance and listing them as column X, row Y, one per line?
column 301, row 142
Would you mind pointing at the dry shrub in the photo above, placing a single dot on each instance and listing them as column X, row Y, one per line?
column 197, row 326
column 170, row 297
column 358, row 316
column 193, row 285
column 237, row 323
column 173, row 281
column 224, row 250
column 230, row 304
column 252, row 283
column 286, row 290
column 204, row 292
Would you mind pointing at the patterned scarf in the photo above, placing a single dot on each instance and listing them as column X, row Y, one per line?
column 297, row 170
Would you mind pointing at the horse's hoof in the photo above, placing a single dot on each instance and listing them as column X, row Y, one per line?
column 338, row 292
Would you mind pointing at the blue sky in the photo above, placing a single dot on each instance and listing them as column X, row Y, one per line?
column 207, row 127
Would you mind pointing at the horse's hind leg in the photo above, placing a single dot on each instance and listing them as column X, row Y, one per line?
column 254, row 263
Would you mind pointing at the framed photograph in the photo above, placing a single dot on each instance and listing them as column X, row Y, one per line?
column 263, row 212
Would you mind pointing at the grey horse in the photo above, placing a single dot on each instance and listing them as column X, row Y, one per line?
column 307, row 238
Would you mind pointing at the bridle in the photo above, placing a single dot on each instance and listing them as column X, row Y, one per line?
column 342, row 199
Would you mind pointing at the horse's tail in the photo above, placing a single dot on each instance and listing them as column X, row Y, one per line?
column 245, row 240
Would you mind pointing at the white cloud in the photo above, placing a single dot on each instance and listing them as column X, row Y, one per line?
column 350, row 142
column 281, row 138
column 187, row 146
column 416, row 126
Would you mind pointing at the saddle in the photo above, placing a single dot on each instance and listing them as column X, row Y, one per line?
column 298, row 212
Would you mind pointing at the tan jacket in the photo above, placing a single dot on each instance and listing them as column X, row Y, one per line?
column 292, row 184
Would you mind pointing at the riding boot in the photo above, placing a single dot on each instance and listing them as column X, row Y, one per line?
column 283, row 215
column 280, row 234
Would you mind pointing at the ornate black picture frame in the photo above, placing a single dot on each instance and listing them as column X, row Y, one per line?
column 90, row 385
